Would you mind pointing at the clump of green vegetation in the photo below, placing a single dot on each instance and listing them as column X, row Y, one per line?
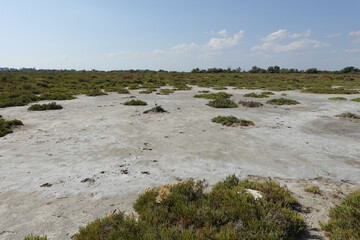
column 219, row 88
column 355, row 99
column 283, row 94
column 6, row 126
column 232, row 121
column 165, row 91
column 282, row 101
column 95, row 93
column 261, row 95
column 34, row 237
column 250, row 104
column 123, row 91
column 219, row 95
column 135, row 103
column 185, row 211
column 348, row 115
column 313, row 189
column 338, row 99
column 222, row 103
column 204, row 91
column 56, row 96
column 344, row 220
column 156, row 109
column 148, row 91
column 329, row 90
column 44, row 107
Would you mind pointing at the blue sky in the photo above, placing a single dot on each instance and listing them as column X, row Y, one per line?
column 179, row 35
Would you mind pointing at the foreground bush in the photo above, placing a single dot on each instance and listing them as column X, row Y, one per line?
column 44, row 107
column 355, row 99
column 250, row 104
column 184, row 211
column 344, row 220
column 348, row 115
column 222, row 103
column 135, row 103
column 232, row 121
column 219, row 95
column 261, row 95
column 6, row 126
column 282, row 101
column 157, row 109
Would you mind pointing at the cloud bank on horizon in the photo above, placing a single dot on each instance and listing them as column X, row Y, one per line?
column 163, row 35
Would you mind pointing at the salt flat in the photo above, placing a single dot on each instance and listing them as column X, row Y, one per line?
column 124, row 151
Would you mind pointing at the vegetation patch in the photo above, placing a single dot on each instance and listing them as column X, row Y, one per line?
column 45, row 106
column 7, row 126
column 135, row 103
column 204, row 91
column 185, row 211
column 355, row 99
column 260, row 95
column 313, row 189
column 282, row 101
column 338, row 98
column 222, row 103
column 95, row 93
column 329, row 90
column 156, row 109
column 250, row 104
column 148, row 91
column 123, row 91
column 219, row 95
column 165, row 91
column 348, row 115
column 344, row 220
column 219, row 88
column 34, row 237
column 231, row 121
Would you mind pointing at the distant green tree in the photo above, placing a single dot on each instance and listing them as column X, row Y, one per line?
column 312, row 70
column 350, row 69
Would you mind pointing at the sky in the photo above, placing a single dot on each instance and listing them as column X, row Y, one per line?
column 179, row 35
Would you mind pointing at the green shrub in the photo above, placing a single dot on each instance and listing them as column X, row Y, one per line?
column 344, row 220
column 328, row 90
column 338, row 99
column 282, row 101
column 261, row 95
column 95, row 93
column 184, row 211
column 56, row 96
column 204, row 91
column 348, row 115
column 250, row 104
column 148, row 91
column 6, row 126
column 355, row 99
column 219, row 95
column 34, row 237
column 165, row 91
column 44, row 107
column 222, row 103
column 232, row 121
column 219, row 88
column 135, row 103
column 123, row 91
column 156, row 109
column 313, row 189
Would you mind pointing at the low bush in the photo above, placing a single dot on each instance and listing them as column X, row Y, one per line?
column 7, row 126
column 184, row 211
column 219, row 88
column 156, row 109
column 313, row 189
column 34, row 237
column 95, row 93
column 282, row 101
column 219, row 95
column 328, row 90
column 355, row 99
column 135, row 103
column 348, row 115
column 232, row 121
column 56, row 96
column 222, row 103
column 44, row 107
column 338, row 99
column 344, row 220
column 250, row 104
column 165, row 91
column 147, row 91
column 204, row 91
column 123, row 91
column 261, row 95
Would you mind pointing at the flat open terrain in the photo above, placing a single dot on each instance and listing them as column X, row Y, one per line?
column 122, row 151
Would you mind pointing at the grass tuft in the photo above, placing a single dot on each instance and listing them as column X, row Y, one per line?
column 219, row 95
column 338, row 98
column 348, row 115
column 250, row 104
column 261, row 95
column 34, row 237
column 355, row 99
column 44, row 107
column 232, row 121
column 222, row 103
column 7, row 126
column 157, row 109
column 313, row 189
column 282, row 101
column 135, row 103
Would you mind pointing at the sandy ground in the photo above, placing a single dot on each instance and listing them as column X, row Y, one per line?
column 124, row 151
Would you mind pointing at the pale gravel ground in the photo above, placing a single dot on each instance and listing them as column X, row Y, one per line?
column 98, row 137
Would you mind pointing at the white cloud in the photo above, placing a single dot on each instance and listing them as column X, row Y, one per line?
column 353, row 50
column 279, row 42
column 221, row 43
column 222, row 33
column 334, row 35
column 184, row 47
column 354, row 33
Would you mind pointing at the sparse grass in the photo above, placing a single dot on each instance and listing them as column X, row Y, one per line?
column 250, row 104
column 204, row 91
column 95, row 93
column 232, row 121
column 283, row 94
column 282, row 101
column 312, row 189
column 6, row 126
column 344, row 220
column 135, row 103
column 34, row 237
column 219, row 95
column 338, row 98
column 268, row 93
column 348, row 115
column 219, row 88
column 184, row 211
column 123, row 91
column 165, row 91
column 261, row 95
column 148, row 91
column 44, row 107
column 156, row 109
column 329, row 90
column 355, row 99
column 222, row 103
